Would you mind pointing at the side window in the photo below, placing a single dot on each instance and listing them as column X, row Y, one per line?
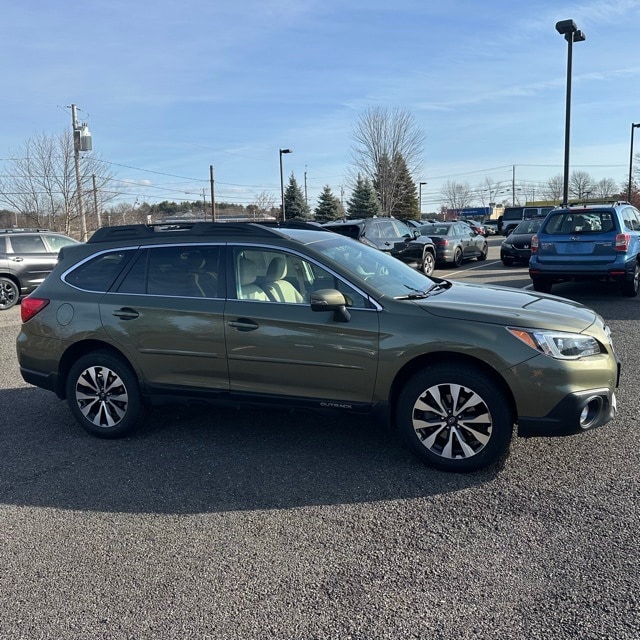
column 275, row 276
column 57, row 242
column 183, row 271
column 27, row 244
column 99, row 273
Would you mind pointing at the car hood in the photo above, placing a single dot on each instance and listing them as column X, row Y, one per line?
column 506, row 306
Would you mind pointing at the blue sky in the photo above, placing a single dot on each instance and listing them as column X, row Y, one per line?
column 169, row 88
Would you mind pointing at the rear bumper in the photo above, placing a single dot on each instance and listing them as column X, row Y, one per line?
column 617, row 271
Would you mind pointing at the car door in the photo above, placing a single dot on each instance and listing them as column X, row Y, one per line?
column 166, row 313
column 282, row 350
column 29, row 259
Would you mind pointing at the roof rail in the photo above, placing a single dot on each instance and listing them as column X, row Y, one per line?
column 142, row 231
column 21, row 229
column 597, row 203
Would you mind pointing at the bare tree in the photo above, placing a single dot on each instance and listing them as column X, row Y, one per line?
column 580, row 184
column 382, row 142
column 457, row 195
column 554, row 189
column 606, row 188
column 488, row 191
column 263, row 205
column 40, row 183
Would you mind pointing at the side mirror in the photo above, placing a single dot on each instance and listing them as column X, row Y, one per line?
column 330, row 300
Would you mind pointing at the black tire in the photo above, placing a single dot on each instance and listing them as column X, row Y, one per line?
column 103, row 395
column 507, row 262
column 457, row 257
column 630, row 285
column 454, row 418
column 484, row 252
column 9, row 293
column 428, row 262
column 542, row 285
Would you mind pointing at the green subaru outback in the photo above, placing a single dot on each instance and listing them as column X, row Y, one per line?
column 303, row 317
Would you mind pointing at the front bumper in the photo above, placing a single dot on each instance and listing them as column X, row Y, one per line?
column 575, row 413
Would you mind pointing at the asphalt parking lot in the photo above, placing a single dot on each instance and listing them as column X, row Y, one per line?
column 217, row 523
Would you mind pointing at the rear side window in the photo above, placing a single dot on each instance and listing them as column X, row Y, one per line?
column 27, row 244
column 99, row 273
column 188, row 271
column 631, row 219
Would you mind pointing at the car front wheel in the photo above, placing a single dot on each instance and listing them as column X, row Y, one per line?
column 454, row 418
column 9, row 293
column 103, row 395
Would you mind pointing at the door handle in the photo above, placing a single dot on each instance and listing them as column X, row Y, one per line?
column 243, row 324
column 126, row 313
column 17, row 259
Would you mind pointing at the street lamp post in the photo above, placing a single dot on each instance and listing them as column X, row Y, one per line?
column 633, row 126
column 571, row 34
column 282, row 211
column 420, row 197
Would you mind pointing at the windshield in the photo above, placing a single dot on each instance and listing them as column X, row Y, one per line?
column 388, row 275
column 528, row 226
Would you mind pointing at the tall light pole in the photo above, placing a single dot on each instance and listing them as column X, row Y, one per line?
column 633, row 126
column 571, row 34
column 282, row 211
column 420, row 197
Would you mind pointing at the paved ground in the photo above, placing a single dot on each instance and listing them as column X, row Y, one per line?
column 244, row 524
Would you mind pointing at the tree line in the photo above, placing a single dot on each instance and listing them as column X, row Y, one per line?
column 39, row 187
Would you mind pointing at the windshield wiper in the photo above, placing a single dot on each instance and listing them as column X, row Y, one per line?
column 419, row 295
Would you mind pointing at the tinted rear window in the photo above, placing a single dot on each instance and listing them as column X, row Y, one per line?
column 584, row 222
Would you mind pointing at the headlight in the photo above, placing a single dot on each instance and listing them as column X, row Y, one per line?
column 558, row 344
column 507, row 245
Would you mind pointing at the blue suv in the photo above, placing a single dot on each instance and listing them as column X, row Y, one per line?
column 593, row 241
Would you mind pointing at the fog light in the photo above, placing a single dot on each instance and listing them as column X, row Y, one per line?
column 591, row 412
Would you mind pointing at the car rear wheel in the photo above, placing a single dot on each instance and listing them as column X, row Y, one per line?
column 457, row 257
column 9, row 293
column 542, row 285
column 630, row 286
column 483, row 252
column 428, row 262
column 455, row 418
column 103, row 395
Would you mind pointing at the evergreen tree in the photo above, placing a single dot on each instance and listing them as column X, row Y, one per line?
column 294, row 202
column 329, row 206
column 405, row 200
column 363, row 202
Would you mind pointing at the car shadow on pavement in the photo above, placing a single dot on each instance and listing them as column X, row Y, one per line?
column 206, row 459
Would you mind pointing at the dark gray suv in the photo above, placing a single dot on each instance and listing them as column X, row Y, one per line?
column 27, row 256
column 305, row 318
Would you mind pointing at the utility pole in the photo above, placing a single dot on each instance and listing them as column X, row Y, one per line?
column 513, row 186
column 95, row 201
column 76, row 159
column 213, row 197
column 306, row 201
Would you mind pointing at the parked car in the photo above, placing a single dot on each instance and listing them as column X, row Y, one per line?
column 244, row 314
column 516, row 247
column 490, row 226
column 455, row 242
column 476, row 226
column 26, row 257
column 513, row 216
column 392, row 236
column 595, row 241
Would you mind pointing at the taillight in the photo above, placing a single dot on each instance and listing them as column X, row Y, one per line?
column 622, row 242
column 534, row 244
column 31, row 307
